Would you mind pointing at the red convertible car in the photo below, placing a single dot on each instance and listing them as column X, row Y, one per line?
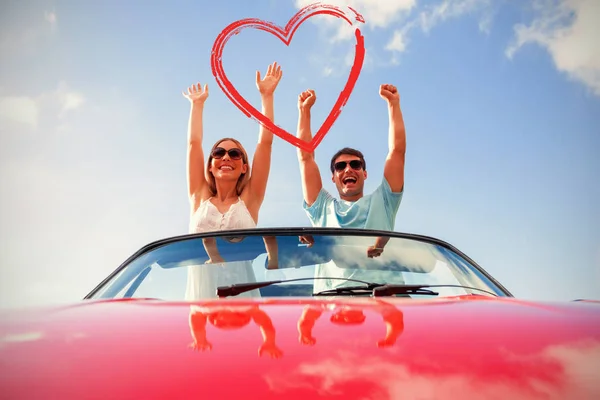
column 301, row 313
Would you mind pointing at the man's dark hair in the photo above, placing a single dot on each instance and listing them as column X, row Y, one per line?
column 349, row 151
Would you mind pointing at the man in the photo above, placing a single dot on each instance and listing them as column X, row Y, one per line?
column 348, row 167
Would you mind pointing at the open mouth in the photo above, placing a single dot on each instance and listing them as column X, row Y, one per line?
column 226, row 168
column 349, row 180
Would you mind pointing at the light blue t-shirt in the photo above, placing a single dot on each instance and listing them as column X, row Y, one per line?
column 373, row 211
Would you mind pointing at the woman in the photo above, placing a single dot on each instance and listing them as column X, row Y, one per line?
column 227, row 193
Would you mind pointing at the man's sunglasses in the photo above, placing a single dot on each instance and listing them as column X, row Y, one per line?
column 354, row 164
column 219, row 152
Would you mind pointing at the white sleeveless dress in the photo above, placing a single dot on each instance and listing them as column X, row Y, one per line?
column 203, row 280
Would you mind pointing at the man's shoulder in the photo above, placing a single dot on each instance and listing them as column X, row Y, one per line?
column 323, row 199
column 384, row 189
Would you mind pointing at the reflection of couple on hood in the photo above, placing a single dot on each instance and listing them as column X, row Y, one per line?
column 348, row 315
column 232, row 317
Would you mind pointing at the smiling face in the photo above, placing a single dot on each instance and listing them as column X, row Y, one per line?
column 228, row 162
column 349, row 176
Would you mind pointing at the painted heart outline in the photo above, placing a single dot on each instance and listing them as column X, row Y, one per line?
column 285, row 35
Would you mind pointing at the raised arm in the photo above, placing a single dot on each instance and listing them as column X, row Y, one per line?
column 309, row 171
column 195, row 156
column 394, row 164
column 261, row 163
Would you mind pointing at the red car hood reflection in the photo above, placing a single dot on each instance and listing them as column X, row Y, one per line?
column 458, row 348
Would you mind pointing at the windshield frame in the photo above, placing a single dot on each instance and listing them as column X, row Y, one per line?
column 293, row 231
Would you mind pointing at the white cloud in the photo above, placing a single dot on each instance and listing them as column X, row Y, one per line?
column 68, row 100
column 433, row 15
column 377, row 14
column 50, row 17
column 26, row 109
column 569, row 30
column 25, row 37
column 72, row 101
column 449, row 9
column 398, row 42
column 485, row 22
column 385, row 14
column 19, row 109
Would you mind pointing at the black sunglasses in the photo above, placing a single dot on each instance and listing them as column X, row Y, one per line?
column 219, row 152
column 354, row 164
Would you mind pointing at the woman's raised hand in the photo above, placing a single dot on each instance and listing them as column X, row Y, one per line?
column 195, row 94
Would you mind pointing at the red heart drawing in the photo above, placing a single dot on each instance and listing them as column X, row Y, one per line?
column 285, row 35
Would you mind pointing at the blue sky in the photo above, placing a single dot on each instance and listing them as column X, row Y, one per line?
column 501, row 101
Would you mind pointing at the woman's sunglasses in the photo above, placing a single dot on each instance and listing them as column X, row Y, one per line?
column 354, row 164
column 219, row 152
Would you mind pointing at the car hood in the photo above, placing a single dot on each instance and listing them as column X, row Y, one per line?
column 465, row 347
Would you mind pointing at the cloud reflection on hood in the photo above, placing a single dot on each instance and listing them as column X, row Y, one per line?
column 566, row 371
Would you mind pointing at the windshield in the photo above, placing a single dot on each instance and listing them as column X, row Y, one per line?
column 192, row 267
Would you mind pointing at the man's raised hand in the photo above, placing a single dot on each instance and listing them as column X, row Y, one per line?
column 389, row 93
column 306, row 100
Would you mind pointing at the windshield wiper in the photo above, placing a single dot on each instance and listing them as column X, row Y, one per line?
column 375, row 289
column 378, row 289
column 238, row 288
column 350, row 289
column 393, row 289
